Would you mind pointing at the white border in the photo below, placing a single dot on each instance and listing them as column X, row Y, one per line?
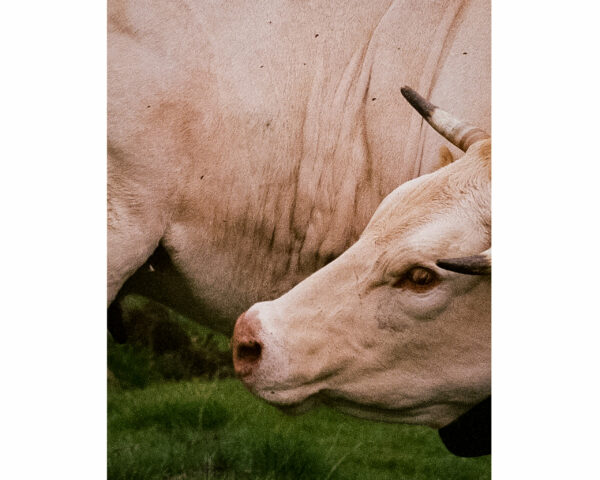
column 545, row 104
column 53, row 185
column 545, row 184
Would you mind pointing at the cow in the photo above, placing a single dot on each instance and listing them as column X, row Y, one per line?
column 398, row 327
column 249, row 143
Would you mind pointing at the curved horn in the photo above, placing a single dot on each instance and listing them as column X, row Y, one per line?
column 460, row 133
column 474, row 265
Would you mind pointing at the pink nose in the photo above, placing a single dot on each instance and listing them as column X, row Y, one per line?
column 246, row 346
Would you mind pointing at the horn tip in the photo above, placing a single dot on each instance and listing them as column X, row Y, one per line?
column 421, row 105
column 406, row 90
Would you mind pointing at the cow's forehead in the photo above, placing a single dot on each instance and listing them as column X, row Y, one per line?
column 465, row 183
column 424, row 244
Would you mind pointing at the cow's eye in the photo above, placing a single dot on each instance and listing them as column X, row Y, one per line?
column 418, row 279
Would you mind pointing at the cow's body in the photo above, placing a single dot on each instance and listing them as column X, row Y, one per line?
column 254, row 140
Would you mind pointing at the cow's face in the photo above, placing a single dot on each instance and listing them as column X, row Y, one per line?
column 383, row 332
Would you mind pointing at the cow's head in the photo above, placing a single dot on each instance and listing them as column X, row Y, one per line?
column 398, row 327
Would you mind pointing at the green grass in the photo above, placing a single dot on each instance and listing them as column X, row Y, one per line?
column 217, row 430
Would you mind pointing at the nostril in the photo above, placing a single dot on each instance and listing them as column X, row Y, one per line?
column 249, row 351
column 247, row 348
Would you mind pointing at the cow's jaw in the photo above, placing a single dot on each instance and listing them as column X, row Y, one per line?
column 435, row 416
column 293, row 402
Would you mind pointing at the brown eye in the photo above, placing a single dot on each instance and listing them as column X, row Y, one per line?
column 418, row 279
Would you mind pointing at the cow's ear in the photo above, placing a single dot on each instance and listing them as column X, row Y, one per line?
column 473, row 265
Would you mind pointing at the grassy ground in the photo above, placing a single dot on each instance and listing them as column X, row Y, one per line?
column 217, row 430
